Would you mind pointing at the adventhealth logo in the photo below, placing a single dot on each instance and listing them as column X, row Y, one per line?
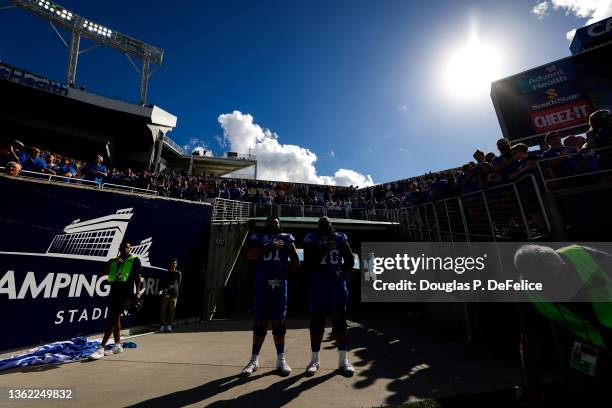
column 33, row 81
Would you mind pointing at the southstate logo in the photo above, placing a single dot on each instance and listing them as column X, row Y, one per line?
column 551, row 94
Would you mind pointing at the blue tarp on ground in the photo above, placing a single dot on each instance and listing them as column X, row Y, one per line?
column 57, row 353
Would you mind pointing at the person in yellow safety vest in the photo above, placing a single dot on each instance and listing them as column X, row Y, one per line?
column 124, row 278
column 581, row 331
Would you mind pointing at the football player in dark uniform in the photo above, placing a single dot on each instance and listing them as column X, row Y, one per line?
column 275, row 256
column 328, row 257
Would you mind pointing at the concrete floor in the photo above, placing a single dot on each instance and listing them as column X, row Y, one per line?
column 198, row 366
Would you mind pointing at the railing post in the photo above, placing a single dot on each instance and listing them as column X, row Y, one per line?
column 450, row 227
column 437, row 221
column 463, row 219
column 539, row 196
column 484, row 199
column 518, row 199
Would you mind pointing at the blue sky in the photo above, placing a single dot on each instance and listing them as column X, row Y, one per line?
column 361, row 79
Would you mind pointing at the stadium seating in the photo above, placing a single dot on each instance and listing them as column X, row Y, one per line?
column 437, row 205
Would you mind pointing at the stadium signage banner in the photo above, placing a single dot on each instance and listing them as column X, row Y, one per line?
column 50, row 288
column 558, row 96
column 486, row 272
column 545, row 77
column 561, row 116
column 22, row 77
column 592, row 35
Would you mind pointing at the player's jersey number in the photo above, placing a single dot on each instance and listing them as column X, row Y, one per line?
column 332, row 258
column 272, row 255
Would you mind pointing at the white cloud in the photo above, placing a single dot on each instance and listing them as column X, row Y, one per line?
column 540, row 9
column 281, row 162
column 592, row 10
column 197, row 144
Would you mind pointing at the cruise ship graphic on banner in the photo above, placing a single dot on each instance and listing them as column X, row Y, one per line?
column 96, row 239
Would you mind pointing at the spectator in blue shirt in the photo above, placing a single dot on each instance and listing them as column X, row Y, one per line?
column 438, row 188
column 12, row 152
column 556, row 157
column 504, row 164
column 36, row 163
column 527, row 162
column 66, row 169
column 467, row 180
column 587, row 158
column 95, row 171
column 235, row 193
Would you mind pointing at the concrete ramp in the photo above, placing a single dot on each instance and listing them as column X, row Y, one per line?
column 199, row 366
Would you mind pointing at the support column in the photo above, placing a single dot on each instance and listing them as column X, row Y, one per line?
column 73, row 57
column 144, row 79
column 190, row 170
column 160, row 146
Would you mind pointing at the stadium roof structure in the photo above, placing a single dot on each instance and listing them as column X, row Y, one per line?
column 175, row 157
column 40, row 111
column 72, row 121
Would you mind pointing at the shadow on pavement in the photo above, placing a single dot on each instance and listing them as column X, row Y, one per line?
column 423, row 366
column 276, row 395
column 201, row 392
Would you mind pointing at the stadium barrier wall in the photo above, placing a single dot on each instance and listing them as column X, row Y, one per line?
column 55, row 239
column 224, row 248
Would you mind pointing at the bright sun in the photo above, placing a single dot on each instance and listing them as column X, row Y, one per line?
column 470, row 69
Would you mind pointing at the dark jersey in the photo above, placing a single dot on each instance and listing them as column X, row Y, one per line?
column 273, row 264
column 329, row 260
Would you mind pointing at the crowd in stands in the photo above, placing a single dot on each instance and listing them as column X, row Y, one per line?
column 559, row 162
column 556, row 164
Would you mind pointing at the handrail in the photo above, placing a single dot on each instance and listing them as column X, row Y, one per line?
column 130, row 188
column 50, row 178
column 54, row 177
column 421, row 222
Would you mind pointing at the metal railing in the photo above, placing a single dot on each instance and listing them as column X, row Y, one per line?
column 54, row 178
column 229, row 211
column 227, row 155
column 121, row 187
column 600, row 158
column 239, row 156
column 175, row 146
column 513, row 211
column 316, row 211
